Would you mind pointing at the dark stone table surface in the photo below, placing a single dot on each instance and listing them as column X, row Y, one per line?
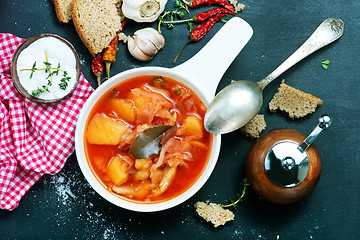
column 64, row 206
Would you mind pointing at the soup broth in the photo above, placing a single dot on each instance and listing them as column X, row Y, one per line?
column 128, row 109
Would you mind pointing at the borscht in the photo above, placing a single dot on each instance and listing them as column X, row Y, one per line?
column 130, row 108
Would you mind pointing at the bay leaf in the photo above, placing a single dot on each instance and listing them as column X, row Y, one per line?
column 168, row 134
column 147, row 143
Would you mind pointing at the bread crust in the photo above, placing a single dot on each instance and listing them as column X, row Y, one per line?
column 97, row 22
column 63, row 10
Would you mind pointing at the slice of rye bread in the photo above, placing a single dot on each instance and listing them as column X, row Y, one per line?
column 253, row 128
column 294, row 102
column 97, row 22
column 214, row 213
column 63, row 10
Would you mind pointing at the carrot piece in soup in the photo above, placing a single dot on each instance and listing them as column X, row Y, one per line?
column 104, row 130
column 123, row 109
column 116, row 171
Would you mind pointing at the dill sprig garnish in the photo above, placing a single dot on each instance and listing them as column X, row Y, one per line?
column 52, row 71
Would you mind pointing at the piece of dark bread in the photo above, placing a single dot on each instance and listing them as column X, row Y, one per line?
column 294, row 102
column 97, row 22
column 253, row 128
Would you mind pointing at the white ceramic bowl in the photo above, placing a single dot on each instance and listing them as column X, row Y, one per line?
column 203, row 80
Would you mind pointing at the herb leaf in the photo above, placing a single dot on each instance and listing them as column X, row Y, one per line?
column 190, row 26
column 33, row 69
column 114, row 93
column 48, row 66
column 181, row 6
column 325, row 64
column 179, row 12
column 64, row 82
column 224, row 20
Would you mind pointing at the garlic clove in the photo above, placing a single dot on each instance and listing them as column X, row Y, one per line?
column 151, row 35
column 145, row 44
column 143, row 10
column 136, row 52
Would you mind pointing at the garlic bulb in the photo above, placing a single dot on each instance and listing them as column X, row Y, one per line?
column 145, row 44
column 143, row 10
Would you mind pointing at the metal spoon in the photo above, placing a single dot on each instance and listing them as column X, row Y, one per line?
column 240, row 101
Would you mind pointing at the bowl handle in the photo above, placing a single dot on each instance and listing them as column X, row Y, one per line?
column 210, row 63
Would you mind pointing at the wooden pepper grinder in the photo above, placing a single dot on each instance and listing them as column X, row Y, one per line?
column 282, row 167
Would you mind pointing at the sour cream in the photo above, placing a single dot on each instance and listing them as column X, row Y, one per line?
column 58, row 52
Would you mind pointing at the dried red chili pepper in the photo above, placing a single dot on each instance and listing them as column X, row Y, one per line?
column 200, row 17
column 109, row 54
column 97, row 67
column 198, row 3
column 200, row 31
column 110, row 51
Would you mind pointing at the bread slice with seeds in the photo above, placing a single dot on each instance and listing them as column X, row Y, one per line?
column 63, row 10
column 97, row 22
column 294, row 102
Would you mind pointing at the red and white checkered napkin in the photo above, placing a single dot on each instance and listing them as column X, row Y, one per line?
column 35, row 139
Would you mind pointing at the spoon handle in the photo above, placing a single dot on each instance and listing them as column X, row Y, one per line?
column 324, row 123
column 210, row 63
column 328, row 31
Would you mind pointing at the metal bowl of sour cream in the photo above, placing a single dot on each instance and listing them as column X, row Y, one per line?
column 46, row 64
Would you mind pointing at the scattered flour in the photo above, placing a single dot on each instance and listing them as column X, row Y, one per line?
column 63, row 189
column 75, row 197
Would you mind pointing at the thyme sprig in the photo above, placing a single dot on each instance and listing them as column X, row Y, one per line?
column 179, row 12
column 52, row 71
column 233, row 204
